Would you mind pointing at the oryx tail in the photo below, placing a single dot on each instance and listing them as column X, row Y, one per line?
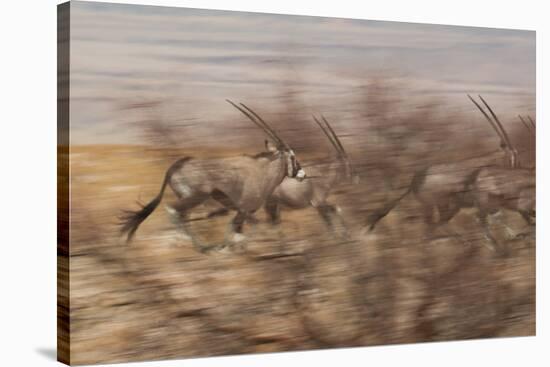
column 132, row 219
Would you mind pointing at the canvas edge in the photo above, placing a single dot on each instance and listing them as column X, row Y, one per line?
column 63, row 200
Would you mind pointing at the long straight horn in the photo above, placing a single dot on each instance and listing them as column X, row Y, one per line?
column 274, row 138
column 514, row 158
column 525, row 124
column 532, row 122
column 327, row 134
column 267, row 126
column 342, row 150
column 504, row 133
column 493, row 124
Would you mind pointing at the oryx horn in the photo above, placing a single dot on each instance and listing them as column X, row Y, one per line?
column 525, row 124
column 532, row 122
column 269, row 132
column 504, row 133
column 328, row 135
column 267, row 126
column 344, row 153
column 493, row 124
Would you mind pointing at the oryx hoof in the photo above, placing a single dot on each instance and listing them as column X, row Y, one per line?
column 237, row 242
column 237, row 238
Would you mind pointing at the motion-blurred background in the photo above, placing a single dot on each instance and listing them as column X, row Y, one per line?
column 148, row 85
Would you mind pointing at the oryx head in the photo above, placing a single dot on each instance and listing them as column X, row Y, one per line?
column 293, row 167
column 510, row 151
column 277, row 146
column 349, row 172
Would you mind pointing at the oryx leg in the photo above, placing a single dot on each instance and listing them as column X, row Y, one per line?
column 179, row 216
column 448, row 211
column 428, row 215
column 236, row 236
column 223, row 199
column 273, row 210
column 326, row 211
column 238, row 222
column 484, row 207
column 498, row 216
column 329, row 212
column 484, row 223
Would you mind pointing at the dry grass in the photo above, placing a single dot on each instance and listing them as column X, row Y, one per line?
column 158, row 298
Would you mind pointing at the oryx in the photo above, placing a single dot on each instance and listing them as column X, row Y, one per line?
column 242, row 183
column 314, row 191
column 446, row 188
column 496, row 188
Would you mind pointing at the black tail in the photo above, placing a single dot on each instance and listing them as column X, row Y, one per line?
column 130, row 220
column 377, row 216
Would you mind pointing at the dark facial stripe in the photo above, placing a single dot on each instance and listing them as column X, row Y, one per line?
column 294, row 166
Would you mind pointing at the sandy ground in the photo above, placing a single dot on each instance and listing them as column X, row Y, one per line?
column 295, row 286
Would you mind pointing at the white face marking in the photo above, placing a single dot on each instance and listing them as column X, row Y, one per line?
column 301, row 174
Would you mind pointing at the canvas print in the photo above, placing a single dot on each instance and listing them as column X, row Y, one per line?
column 235, row 183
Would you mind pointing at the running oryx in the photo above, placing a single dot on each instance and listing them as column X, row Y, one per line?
column 242, row 183
column 446, row 188
column 316, row 189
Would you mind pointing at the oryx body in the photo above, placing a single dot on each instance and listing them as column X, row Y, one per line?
column 311, row 192
column 444, row 189
column 315, row 191
column 497, row 188
column 241, row 183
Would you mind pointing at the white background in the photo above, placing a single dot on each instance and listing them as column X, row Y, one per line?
column 28, row 182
